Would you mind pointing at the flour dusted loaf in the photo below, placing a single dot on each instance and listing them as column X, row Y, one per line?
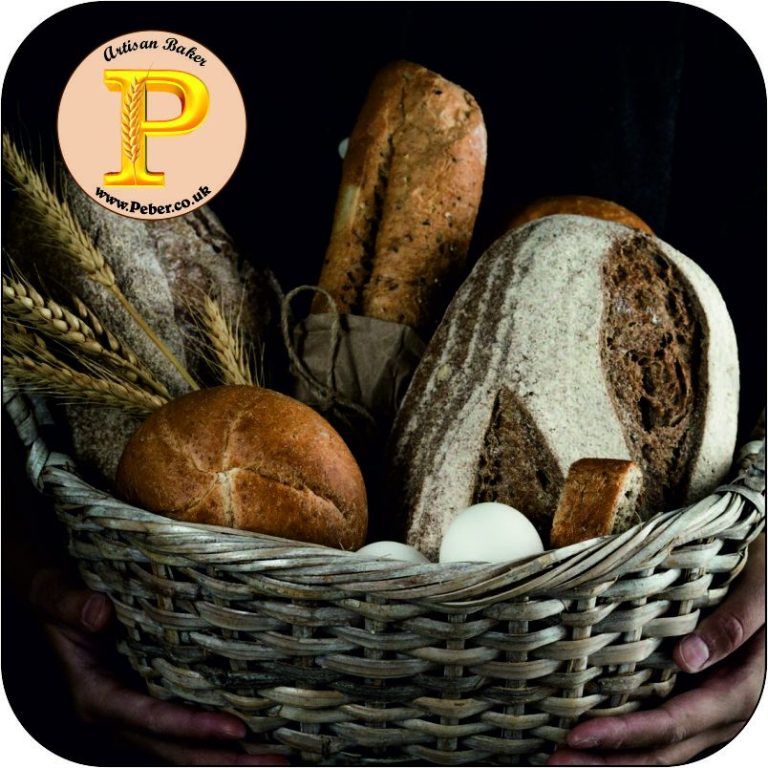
column 250, row 458
column 572, row 338
column 164, row 267
column 409, row 196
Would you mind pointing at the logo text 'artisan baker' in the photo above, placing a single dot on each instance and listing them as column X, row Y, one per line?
column 136, row 117
column 170, row 44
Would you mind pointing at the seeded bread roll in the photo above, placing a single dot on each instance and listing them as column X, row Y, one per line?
column 598, row 498
column 249, row 458
column 572, row 338
column 409, row 195
column 578, row 205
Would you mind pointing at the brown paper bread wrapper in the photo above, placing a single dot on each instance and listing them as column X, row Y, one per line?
column 354, row 370
column 359, row 369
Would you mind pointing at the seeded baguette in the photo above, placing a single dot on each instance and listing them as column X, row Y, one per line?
column 572, row 338
column 409, row 195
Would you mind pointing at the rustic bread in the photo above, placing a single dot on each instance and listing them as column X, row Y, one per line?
column 598, row 498
column 572, row 338
column 200, row 259
column 409, row 195
column 578, row 205
column 247, row 457
column 163, row 267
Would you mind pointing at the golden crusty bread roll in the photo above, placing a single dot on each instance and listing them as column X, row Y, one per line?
column 578, row 205
column 250, row 458
column 410, row 191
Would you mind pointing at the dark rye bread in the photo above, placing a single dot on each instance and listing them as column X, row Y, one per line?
column 409, row 196
column 572, row 338
column 511, row 433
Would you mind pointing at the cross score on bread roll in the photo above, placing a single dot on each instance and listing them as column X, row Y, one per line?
column 250, row 458
column 410, row 190
column 571, row 338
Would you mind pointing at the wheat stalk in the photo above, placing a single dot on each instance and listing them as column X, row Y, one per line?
column 63, row 231
column 24, row 306
column 58, row 224
column 131, row 121
column 29, row 363
column 228, row 349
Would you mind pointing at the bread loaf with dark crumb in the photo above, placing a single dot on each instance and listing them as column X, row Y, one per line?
column 409, row 196
column 572, row 338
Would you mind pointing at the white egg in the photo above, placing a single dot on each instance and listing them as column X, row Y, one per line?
column 489, row 533
column 393, row 550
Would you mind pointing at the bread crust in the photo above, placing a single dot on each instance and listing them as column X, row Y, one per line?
column 578, row 205
column 250, row 458
column 409, row 195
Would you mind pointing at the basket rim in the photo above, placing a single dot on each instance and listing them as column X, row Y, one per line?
column 575, row 565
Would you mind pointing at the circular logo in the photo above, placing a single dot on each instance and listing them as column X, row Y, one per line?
column 151, row 125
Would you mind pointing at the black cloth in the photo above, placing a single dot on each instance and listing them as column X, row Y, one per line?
column 658, row 106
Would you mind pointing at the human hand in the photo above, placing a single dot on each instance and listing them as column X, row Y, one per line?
column 76, row 623
column 730, row 645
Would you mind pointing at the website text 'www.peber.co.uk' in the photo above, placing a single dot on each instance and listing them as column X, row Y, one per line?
column 151, row 209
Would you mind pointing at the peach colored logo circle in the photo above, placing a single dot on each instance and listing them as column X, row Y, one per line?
column 151, row 125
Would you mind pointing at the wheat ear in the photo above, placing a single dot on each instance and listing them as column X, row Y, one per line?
column 31, row 364
column 64, row 232
column 228, row 349
column 23, row 305
column 131, row 120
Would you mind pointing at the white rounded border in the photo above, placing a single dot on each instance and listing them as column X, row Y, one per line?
column 747, row 19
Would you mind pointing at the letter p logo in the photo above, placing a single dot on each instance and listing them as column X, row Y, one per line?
column 151, row 125
column 133, row 86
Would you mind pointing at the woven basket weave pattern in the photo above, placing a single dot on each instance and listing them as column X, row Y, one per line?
column 332, row 657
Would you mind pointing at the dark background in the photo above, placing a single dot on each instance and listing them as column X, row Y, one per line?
column 658, row 106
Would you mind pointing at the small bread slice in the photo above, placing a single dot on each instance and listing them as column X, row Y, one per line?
column 598, row 499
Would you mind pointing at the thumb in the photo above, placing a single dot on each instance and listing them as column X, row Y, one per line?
column 732, row 623
column 53, row 595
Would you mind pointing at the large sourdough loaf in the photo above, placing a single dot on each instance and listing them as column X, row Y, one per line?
column 572, row 338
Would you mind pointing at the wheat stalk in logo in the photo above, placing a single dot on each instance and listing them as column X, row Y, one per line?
column 131, row 120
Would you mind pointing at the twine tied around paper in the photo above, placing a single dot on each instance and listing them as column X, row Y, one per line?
column 327, row 397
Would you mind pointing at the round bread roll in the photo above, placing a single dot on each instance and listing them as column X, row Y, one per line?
column 250, row 458
column 578, row 205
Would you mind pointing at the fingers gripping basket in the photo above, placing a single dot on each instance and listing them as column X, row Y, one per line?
column 330, row 657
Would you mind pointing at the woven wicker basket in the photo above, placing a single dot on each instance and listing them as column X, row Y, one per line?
column 334, row 658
